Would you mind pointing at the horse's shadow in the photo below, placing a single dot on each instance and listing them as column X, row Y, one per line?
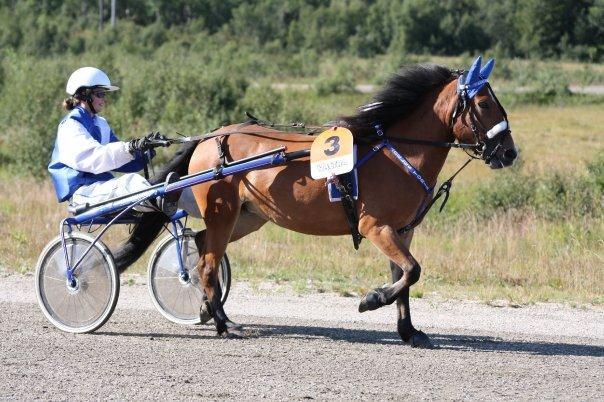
column 443, row 341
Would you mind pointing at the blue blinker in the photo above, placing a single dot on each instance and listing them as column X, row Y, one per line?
column 471, row 82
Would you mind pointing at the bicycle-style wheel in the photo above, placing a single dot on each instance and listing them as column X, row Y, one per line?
column 87, row 302
column 178, row 297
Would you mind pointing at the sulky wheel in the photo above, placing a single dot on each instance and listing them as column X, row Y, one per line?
column 178, row 296
column 85, row 303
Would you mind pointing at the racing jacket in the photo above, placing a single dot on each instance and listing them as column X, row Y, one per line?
column 85, row 151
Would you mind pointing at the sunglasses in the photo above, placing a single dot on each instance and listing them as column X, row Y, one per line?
column 100, row 95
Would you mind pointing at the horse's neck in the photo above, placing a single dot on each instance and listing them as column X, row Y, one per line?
column 429, row 122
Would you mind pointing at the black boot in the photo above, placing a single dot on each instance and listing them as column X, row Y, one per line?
column 169, row 202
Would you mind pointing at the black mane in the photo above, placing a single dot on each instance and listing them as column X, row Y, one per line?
column 399, row 96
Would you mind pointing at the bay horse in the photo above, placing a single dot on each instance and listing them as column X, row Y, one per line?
column 422, row 110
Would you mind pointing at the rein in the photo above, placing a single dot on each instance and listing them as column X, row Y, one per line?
column 298, row 128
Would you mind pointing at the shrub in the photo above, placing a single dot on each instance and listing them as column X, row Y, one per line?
column 29, row 104
column 557, row 195
column 263, row 102
column 510, row 190
column 340, row 81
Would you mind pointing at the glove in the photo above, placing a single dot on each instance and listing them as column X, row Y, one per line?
column 138, row 145
column 147, row 142
column 158, row 140
column 156, row 137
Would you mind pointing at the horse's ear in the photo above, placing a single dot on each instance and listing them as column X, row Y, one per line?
column 486, row 70
column 474, row 71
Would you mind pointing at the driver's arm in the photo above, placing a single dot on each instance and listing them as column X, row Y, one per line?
column 78, row 150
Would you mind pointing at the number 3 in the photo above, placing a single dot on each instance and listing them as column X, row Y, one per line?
column 334, row 146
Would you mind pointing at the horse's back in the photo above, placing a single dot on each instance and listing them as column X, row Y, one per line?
column 285, row 194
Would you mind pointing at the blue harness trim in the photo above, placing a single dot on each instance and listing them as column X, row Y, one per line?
column 374, row 150
column 427, row 203
column 410, row 168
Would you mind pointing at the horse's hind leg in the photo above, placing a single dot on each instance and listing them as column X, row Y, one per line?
column 221, row 211
column 246, row 224
column 405, row 272
column 404, row 326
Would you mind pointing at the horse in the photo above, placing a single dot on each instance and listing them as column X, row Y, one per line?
column 422, row 111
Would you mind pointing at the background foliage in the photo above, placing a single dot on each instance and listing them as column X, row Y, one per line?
column 192, row 65
column 530, row 28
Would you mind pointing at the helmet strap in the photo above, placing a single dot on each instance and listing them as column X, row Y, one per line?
column 88, row 99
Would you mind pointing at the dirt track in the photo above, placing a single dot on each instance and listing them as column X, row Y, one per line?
column 302, row 347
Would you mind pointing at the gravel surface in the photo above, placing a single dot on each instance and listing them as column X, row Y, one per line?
column 313, row 346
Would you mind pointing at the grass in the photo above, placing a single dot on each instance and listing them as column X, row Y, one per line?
column 512, row 255
column 549, row 138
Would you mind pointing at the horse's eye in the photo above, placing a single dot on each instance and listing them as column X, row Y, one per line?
column 483, row 104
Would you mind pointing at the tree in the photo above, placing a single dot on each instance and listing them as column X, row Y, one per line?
column 542, row 24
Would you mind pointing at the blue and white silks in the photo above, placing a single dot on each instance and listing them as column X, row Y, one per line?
column 85, row 151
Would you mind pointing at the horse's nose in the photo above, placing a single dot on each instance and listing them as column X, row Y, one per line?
column 510, row 154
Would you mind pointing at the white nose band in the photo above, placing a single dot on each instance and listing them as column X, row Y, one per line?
column 497, row 128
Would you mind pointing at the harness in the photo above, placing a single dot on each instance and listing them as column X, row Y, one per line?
column 481, row 149
column 484, row 150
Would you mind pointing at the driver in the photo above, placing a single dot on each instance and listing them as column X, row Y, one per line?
column 86, row 149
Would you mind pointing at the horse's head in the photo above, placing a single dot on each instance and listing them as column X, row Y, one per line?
column 479, row 118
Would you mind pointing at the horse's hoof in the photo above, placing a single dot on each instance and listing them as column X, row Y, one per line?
column 370, row 301
column 233, row 326
column 205, row 314
column 420, row 340
column 233, row 333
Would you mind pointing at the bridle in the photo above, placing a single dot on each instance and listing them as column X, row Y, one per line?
column 484, row 149
column 487, row 147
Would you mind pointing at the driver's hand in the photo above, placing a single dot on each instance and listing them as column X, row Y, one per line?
column 138, row 145
column 156, row 137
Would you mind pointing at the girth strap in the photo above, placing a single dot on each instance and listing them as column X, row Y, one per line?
column 344, row 185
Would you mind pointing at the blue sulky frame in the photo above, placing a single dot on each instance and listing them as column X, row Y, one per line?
column 118, row 210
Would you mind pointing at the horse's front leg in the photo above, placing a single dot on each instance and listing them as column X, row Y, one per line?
column 405, row 272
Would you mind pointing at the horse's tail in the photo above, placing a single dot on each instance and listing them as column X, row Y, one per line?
column 151, row 223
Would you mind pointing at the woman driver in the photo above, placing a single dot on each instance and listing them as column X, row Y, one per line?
column 86, row 149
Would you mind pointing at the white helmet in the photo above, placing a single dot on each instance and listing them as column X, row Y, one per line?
column 88, row 77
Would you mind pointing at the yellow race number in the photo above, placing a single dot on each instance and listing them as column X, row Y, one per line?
column 332, row 153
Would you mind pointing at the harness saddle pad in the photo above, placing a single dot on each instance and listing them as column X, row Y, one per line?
column 334, row 193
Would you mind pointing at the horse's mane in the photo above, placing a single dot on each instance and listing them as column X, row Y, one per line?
column 399, row 96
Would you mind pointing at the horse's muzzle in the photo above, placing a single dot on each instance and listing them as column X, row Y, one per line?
column 503, row 159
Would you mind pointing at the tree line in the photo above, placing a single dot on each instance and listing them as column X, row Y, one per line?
column 529, row 28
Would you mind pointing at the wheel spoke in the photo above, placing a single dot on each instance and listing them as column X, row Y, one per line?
column 85, row 307
column 178, row 301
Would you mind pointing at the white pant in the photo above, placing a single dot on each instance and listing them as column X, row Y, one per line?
column 125, row 185
column 103, row 191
